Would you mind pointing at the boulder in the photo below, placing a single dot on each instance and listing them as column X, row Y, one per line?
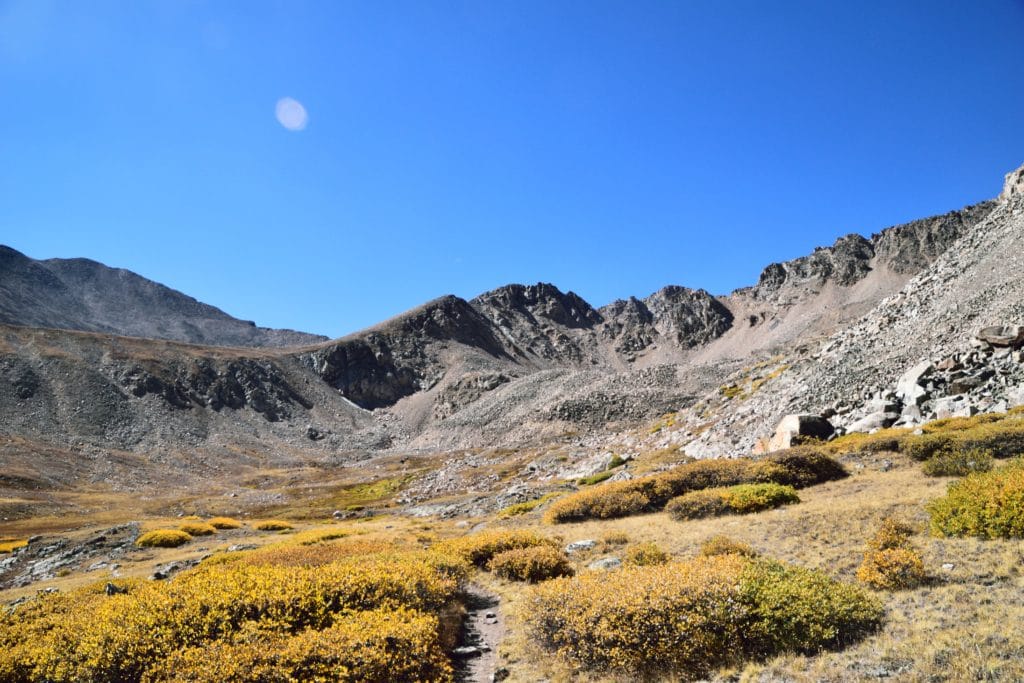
column 1002, row 336
column 874, row 421
column 580, row 546
column 909, row 389
column 794, row 428
column 1013, row 185
column 605, row 564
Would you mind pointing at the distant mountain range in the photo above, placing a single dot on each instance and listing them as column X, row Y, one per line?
column 80, row 294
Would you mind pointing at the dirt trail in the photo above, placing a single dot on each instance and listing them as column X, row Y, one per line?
column 483, row 631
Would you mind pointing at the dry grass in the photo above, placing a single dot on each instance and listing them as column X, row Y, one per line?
column 955, row 627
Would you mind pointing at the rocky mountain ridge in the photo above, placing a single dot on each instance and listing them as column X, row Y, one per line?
column 523, row 364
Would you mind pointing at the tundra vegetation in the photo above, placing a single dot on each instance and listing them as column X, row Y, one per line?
column 821, row 590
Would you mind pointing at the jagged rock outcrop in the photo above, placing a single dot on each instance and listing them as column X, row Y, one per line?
column 79, row 294
column 1013, row 185
column 688, row 317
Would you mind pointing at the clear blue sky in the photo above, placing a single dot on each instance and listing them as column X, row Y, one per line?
column 608, row 147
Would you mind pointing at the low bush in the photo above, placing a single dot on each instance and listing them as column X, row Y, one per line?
column 1004, row 439
column 224, row 523
column 595, row 478
column 723, row 545
column 862, row 442
column 358, row 618
column 613, row 538
column 374, row 647
column 273, row 525
column 984, row 504
column 698, row 505
column 163, row 538
column 747, row 498
column 740, row 499
column 198, row 529
column 517, row 509
column 804, row 466
column 645, row 555
column 689, row 618
column 957, row 463
column 796, row 467
column 533, row 564
column 478, row 549
column 923, row 446
column 891, row 562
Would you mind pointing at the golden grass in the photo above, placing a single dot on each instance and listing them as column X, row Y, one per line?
column 273, row 525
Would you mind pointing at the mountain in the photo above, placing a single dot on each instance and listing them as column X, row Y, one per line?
column 79, row 294
column 520, row 366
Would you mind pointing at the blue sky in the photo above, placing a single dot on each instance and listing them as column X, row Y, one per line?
column 451, row 147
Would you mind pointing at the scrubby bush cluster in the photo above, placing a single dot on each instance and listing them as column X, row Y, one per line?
column 798, row 467
column 198, row 529
column 478, row 549
column 533, row 564
column 273, row 525
column 740, row 499
column 224, row 523
column 723, row 545
column 688, row 618
column 380, row 617
column 646, row 554
column 163, row 538
column 985, row 504
column 891, row 561
column 959, row 446
column 957, row 462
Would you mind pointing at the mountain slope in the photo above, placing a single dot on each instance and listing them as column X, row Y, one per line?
column 79, row 294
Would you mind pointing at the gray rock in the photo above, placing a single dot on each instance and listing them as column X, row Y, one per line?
column 580, row 546
column 1002, row 336
column 909, row 389
column 605, row 564
column 793, row 427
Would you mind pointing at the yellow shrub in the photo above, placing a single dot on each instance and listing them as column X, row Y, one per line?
column 698, row 505
column 985, row 504
column 479, row 548
column 533, row 564
column 690, row 617
column 862, row 442
column 723, row 545
column 891, row 561
column 645, row 555
column 366, row 647
column 892, row 569
column 198, row 529
column 224, row 523
column 273, row 525
column 163, row 538
column 613, row 538
column 86, row 635
column 8, row 545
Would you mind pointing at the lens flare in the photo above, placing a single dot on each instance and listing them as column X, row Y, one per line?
column 291, row 114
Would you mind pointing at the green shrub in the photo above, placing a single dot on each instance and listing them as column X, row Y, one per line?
column 723, row 545
column 645, row 555
column 741, row 499
column 923, row 446
column 747, row 498
column 517, row 509
column 957, row 463
column 984, row 504
column 804, row 466
column 595, row 478
column 689, row 618
column 163, row 538
column 1004, row 439
column 533, row 564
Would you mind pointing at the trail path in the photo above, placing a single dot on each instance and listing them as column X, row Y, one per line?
column 483, row 631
